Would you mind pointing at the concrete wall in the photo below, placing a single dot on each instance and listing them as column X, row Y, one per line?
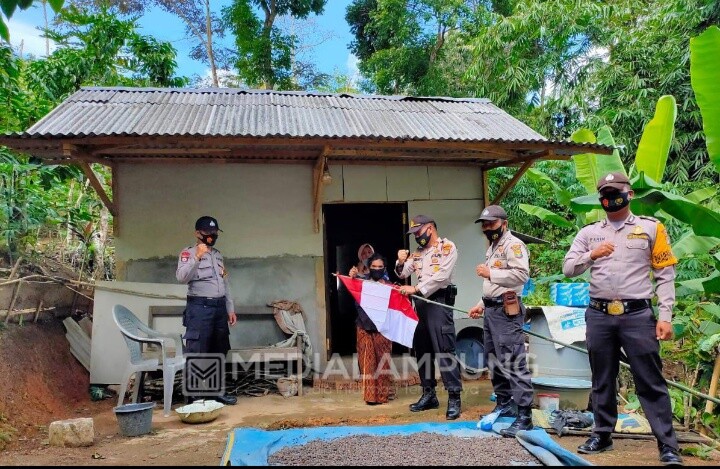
column 266, row 211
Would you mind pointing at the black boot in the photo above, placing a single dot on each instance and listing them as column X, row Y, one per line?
column 454, row 405
column 522, row 422
column 506, row 409
column 669, row 456
column 227, row 399
column 428, row 401
column 597, row 444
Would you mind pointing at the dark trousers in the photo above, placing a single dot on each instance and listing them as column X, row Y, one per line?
column 206, row 328
column 435, row 339
column 636, row 334
column 506, row 356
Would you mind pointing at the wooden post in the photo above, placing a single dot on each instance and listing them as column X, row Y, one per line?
column 37, row 313
column 15, row 295
column 709, row 406
column 15, row 268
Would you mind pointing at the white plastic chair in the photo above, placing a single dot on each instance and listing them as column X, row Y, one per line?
column 135, row 334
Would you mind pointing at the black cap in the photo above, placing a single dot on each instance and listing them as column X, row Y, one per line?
column 418, row 222
column 492, row 213
column 615, row 180
column 207, row 224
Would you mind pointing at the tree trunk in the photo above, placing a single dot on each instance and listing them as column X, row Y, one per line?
column 211, row 54
column 268, row 75
column 47, row 26
column 100, row 242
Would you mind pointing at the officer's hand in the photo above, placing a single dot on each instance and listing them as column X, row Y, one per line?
column 353, row 272
column 403, row 255
column 232, row 319
column 477, row 312
column 604, row 250
column 202, row 249
column 408, row 290
column 664, row 331
column 483, row 271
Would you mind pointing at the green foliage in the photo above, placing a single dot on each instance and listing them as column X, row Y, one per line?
column 10, row 6
column 265, row 53
column 652, row 152
column 705, row 73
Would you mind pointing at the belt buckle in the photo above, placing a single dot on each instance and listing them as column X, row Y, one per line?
column 616, row 308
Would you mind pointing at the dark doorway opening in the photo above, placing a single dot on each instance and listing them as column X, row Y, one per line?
column 347, row 227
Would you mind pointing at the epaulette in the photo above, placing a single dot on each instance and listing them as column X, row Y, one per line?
column 593, row 223
column 644, row 217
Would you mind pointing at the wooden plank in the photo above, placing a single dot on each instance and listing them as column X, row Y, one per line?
column 683, row 437
column 115, row 185
column 90, row 174
column 509, row 186
column 16, row 292
column 318, row 187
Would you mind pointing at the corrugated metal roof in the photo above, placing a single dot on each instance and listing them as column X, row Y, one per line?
column 248, row 113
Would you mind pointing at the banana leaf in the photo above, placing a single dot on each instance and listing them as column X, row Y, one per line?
column 693, row 245
column 546, row 215
column 590, row 167
column 654, row 147
column 705, row 77
column 562, row 195
column 701, row 195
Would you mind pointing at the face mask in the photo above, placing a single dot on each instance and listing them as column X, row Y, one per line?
column 494, row 235
column 377, row 274
column 615, row 202
column 210, row 239
column 423, row 239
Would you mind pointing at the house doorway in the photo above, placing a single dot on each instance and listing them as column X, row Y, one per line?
column 347, row 227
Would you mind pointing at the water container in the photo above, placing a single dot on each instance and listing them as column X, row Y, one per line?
column 570, row 294
column 546, row 361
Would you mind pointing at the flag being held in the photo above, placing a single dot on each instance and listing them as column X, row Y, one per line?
column 391, row 312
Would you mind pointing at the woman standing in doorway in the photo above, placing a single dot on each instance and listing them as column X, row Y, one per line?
column 374, row 350
column 364, row 253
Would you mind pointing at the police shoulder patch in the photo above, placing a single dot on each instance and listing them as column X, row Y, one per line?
column 517, row 249
column 185, row 256
column 447, row 247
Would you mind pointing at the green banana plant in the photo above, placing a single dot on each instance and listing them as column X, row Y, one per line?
column 654, row 148
column 705, row 77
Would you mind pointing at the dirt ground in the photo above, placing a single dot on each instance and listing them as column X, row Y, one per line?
column 40, row 382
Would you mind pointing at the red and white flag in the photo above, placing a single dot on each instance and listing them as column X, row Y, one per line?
column 391, row 312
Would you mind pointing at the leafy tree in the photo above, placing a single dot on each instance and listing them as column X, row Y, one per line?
column 264, row 51
column 10, row 6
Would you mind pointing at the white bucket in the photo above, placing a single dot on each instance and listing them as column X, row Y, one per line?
column 549, row 402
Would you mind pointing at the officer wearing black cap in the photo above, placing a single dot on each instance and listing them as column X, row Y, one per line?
column 504, row 273
column 621, row 252
column 210, row 306
column 434, row 263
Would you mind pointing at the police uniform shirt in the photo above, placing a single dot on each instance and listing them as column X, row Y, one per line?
column 642, row 245
column 509, row 263
column 433, row 266
column 205, row 278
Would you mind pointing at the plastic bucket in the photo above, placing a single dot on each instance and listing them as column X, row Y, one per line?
column 135, row 419
column 549, row 402
column 574, row 394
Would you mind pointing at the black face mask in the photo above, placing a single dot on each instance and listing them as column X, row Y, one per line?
column 423, row 239
column 615, row 202
column 377, row 274
column 209, row 239
column 494, row 235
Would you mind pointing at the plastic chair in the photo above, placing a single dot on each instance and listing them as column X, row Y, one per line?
column 135, row 334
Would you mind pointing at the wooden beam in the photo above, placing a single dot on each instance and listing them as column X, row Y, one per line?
column 318, row 186
column 486, row 186
column 509, row 186
column 95, row 182
column 116, row 198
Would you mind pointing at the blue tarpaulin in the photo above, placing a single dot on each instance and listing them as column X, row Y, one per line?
column 253, row 447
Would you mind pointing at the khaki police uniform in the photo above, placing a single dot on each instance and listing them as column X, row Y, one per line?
column 435, row 333
column 505, row 354
column 621, row 315
column 208, row 303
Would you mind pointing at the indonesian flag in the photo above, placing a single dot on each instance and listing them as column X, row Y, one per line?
column 391, row 312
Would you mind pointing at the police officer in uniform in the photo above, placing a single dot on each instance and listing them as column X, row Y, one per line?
column 210, row 308
column 505, row 272
column 433, row 262
column 621, row 253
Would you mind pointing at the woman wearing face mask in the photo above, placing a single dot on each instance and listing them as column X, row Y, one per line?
column 374, row 350
column 364, row 253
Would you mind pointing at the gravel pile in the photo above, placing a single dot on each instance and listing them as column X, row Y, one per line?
column 422, row 449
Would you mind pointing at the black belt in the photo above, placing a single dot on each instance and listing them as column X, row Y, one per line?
column 201, row 300
column 493, row 302
column 619, row 307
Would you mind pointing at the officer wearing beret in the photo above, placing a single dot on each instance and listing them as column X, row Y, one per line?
column 210, row 308
column 621, row 252
column 434, row 263
column 504, row 273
